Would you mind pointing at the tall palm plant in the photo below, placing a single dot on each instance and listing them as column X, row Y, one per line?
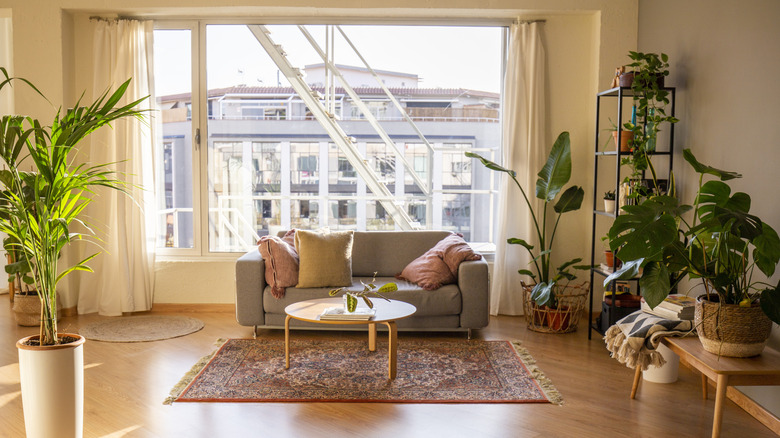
column 39, row 206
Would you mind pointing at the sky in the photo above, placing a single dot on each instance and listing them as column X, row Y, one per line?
column 442, row 56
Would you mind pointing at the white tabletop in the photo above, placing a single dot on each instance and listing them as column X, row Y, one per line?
column 310, row 310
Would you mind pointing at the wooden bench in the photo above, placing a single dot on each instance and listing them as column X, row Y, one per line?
column 724, row 371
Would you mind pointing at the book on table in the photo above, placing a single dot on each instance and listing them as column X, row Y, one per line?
column 671, row 310
column 339, row 313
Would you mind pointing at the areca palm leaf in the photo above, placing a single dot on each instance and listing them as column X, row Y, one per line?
column 557, row 171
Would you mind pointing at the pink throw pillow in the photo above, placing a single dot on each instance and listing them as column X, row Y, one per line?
column 281, row 262
column 439, row 265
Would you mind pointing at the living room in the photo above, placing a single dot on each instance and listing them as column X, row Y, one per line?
column 718, row 51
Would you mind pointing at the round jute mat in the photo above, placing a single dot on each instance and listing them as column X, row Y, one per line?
column 140, row 328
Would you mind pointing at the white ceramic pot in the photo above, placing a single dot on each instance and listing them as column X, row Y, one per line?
column 609, row 205
column 52, row 388
column 667, row 373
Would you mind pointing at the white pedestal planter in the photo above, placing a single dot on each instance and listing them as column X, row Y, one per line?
column 52, row 380
column 666, row 373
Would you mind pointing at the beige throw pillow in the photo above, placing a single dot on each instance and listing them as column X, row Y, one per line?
column 325, row 259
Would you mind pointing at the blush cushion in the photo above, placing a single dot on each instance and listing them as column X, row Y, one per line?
column 325, row 258
column 281, row 262
column 439, row 265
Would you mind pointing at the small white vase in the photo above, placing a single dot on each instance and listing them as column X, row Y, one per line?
column 667, row 373
column 609, row 205
column 52, row 380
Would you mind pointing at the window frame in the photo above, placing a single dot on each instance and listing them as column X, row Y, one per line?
column 201, row 249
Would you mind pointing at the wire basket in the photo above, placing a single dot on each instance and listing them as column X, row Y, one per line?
column 564, row 319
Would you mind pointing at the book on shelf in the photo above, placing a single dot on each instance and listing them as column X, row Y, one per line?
column 339, row 313
column 683, row 314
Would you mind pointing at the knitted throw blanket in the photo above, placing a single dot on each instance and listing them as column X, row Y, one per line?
column 633, row 340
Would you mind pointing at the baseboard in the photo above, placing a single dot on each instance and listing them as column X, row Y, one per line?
column 193, row 308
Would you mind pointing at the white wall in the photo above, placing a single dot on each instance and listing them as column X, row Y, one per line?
column 724, row 59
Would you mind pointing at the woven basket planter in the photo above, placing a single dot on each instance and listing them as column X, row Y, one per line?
column 27, row 310
column 564, row 319
column 729, row 329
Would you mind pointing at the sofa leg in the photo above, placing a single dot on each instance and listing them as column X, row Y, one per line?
column 254, row 332
column 469, row 334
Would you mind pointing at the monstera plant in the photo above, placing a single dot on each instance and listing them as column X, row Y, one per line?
column 716, row 241
column 550, row 182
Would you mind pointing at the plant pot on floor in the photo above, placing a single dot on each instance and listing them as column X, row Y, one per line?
column 729, row 329
column 52, row 379
column 27, row 309
column 563, row 319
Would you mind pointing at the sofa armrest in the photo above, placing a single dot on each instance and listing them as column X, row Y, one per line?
column 250, row 283
column 474, row 288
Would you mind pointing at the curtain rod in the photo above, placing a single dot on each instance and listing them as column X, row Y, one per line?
column 531, row 21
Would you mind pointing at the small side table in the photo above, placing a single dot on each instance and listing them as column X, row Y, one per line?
column 387, row 313
column 724, row 371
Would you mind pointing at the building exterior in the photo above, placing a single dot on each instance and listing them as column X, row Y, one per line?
column 271, row 165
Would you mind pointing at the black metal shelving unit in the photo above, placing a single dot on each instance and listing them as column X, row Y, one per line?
column 619, row 94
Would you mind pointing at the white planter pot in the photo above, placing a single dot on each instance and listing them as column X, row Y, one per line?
column 609, row 205
column 52, row 380
column 666, row 373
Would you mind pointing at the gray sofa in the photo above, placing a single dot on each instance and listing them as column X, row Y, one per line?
column 453, row 307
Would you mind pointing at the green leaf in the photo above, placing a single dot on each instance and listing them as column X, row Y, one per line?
column 351, row 302
column 389, row 287
column 557, row 171
column 523, row 243
column 770, row 303
column 628, row 270
column 569, row 263
column 655, row 284
column 368, row 302
column 644, row 230
column 527, row 272
column 724, row 175
column 334, row 292
column 542, row 294
column 489, row 164
column 767, row 251
column 571, row 200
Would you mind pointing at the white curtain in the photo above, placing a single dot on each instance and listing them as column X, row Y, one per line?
column 124, row 272
column 523, row 146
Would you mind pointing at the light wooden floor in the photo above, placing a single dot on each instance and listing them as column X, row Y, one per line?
column 127, row 383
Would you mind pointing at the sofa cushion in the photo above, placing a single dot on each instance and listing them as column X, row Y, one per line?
column 281, row 262
column 439, row 265
column 325, row 258
column 443, row 301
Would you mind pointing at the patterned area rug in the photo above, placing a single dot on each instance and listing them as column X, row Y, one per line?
column 140, row 328
column 430, row 371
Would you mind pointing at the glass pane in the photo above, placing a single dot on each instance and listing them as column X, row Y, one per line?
column 272, row 165
column 173, row 79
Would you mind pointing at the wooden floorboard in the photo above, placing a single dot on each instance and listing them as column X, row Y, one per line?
column 127, row 383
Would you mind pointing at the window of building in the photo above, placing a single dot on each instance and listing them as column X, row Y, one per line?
column 269, row 161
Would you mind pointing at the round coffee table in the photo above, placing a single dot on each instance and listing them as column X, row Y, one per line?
column 387, row 313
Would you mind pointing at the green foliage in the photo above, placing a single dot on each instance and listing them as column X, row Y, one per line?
column 38, row 207
column 551, row 179
column 721, row 246
column 650, row 101
column 368, row 288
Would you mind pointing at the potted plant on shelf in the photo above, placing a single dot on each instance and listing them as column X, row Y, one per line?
column 609, row 201
column 648, row 115
column 549, row 299
column 42, row 193
column 721, row 245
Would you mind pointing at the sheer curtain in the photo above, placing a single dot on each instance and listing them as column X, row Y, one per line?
column 523, row 151
column 124, row 272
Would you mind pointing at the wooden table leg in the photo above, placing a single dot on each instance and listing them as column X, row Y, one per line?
column 704, row 384
column 392, row 353
column 371, row 336
column 720, row 401
column 287, row 342
column 637, row 378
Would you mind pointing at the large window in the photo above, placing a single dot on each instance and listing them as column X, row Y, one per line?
column 279, row 142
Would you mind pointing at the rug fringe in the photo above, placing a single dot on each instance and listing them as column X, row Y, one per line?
column 546, row 384
column 192, row 373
